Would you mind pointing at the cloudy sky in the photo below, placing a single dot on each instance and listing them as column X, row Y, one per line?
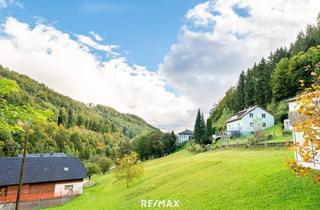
column 161, row 60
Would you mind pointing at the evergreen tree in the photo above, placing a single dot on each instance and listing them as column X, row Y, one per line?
column 199, row 132
column 240, row 94
column 280, row 80
column 197, row 128
column 208, row 139
column 71, row 119
column 63, row 117
column 203, row 129
column 249, row 89
column 263, row 92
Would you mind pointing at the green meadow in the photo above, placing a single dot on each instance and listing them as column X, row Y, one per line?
column 226, row 179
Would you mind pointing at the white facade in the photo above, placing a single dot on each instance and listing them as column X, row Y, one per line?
column 68, row 188
column 184, row 136
column 286, row 125
column 249, row 121
column 298, row 138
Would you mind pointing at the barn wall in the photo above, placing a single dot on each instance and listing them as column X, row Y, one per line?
column 37, row 204
column 42, row 191
column 60, row 190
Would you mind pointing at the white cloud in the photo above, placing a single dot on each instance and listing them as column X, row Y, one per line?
column 216, row 43
column 96, row 36
column 66, row 65
column 95, row 45
column 6, row 3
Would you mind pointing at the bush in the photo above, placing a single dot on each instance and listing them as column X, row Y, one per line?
column 269, row 136
column 195, row 148
column 286, row 133
column 103, row 162
column 279, row 110
column 215, row 145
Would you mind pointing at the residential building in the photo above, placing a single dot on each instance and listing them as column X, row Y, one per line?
column 249, row 120
column 184, row 136
column 47, row 176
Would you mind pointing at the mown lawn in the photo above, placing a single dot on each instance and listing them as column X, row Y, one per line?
column 229, row 179
column 275, row 132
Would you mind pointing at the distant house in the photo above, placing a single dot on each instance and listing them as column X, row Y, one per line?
column 47, row 176
column 184, row 136
column 247, row 121
column 298, row 136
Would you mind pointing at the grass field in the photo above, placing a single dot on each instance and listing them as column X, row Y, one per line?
column 275, row 132
column 229, row 179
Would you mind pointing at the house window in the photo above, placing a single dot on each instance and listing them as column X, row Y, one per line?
column 3, row 191
column 68, row 187
column 251, row 124
column 251, row 115
column 264, row 125
column 263, row 115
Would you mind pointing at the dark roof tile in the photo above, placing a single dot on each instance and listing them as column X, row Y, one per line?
column 41, row 169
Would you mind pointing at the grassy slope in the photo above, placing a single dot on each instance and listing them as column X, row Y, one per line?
column 232, row 179
column 275, row 131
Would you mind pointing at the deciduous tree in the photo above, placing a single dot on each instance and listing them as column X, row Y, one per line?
column 128, row 168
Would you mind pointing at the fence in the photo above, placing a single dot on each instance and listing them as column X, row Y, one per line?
column 251, row 142
column 36, row 199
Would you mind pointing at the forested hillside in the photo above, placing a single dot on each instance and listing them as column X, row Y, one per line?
column 74, row 128
column 269, row 82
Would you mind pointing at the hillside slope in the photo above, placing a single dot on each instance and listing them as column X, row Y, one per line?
column 232, row 179
column 76, row 128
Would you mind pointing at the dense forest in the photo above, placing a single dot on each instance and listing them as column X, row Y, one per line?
column 71, row 127
column 269, row 82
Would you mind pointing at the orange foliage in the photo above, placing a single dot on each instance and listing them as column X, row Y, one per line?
column 309, row 124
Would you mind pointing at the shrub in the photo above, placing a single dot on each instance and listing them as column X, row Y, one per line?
column 195, row 148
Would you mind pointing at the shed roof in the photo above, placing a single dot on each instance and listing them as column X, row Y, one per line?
column 41, row 169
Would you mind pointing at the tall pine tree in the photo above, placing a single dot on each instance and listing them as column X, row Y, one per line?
column 240, row 103
column 208, row 139
column 249, row 89
column 199, row 132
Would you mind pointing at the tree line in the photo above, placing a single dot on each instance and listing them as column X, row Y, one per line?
column 272, row 80
column 74, row 128
column 155, row 144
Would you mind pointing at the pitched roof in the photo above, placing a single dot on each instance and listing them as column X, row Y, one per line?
column 242, row 113
column 41, row 169
column 186, row 132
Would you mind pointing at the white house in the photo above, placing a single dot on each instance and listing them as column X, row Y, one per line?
column 298, row 137
column 184, row 136
column 249, row 120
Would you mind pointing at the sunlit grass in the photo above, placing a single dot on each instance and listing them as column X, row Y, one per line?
column 230, row 179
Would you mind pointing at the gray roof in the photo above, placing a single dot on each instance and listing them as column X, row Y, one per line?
column 41, row 169
column 186, row 132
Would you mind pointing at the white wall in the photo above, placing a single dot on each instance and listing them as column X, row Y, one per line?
column 234, row 126
column 257, row 120
column 184, row 138
column 60, row 188
column 243, row 125
column 298, row 138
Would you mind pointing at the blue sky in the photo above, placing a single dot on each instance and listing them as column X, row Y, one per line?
column 158, row 59
column 143, row 28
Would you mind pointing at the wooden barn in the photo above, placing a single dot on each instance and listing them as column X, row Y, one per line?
column 47, row 176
